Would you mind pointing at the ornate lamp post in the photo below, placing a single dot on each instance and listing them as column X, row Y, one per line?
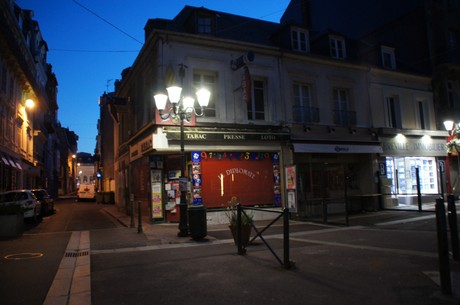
column 182, row 110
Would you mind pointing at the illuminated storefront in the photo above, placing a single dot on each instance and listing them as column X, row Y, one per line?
column 405, row 157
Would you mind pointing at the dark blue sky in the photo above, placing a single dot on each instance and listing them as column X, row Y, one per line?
column 91, row 42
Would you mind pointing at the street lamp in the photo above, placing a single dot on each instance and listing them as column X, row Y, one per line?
column 182, row 109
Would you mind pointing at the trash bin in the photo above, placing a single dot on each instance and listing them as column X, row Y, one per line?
column 99, row 198
column 197, row 221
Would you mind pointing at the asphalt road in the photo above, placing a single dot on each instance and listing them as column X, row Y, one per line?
column 379, row 259
column 29, row 264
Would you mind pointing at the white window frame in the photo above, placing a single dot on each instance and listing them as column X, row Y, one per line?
column 337, row 47
column 393, row 117
column 388, row 57
column 251, row 106
column 302, row 100
column 423, row 114
column 204, row 81
column 300, row 40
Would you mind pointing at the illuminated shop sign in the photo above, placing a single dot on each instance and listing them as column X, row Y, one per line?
column 252, row 177
column 227, row 137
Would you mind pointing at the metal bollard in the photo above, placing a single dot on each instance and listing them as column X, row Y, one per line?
column 132, row 213
column 139, row 212
column 287, row 261
column 443, row 251
column 452, row 218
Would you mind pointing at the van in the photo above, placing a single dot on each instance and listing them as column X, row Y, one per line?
column 86, row 192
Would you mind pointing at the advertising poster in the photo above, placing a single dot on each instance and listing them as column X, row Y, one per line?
column 291, row 187
column 156, row 192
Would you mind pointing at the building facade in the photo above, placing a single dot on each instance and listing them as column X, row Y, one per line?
column 29, row 141
column 290, row 101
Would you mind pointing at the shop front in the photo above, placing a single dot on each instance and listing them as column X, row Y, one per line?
column 219, row 165
column 410, row 169
column 333, row 174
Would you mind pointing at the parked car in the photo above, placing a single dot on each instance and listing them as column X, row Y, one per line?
column 86, row 192
column 26, row 199
column 47, row 202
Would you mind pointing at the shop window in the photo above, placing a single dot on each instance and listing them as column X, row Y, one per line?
column 337, row 47
column 256, row 106
column 302, row 110
column 208, row 81
column 401, row 171
column 393, row 112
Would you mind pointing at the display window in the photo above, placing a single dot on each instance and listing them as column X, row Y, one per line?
column 252, row 177
column 402, row 173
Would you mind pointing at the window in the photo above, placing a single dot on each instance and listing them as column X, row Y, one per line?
column 423, row 114
column 204, row 23
column 337, row 47
column 302, row 104
column 393, row 112
column 208, row 81
column 388, row 58
column 342, row 113
column 300, row 40
column 256, row 106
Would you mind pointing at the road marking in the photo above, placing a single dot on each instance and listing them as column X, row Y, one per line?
column 371, row 248
column 72, row 283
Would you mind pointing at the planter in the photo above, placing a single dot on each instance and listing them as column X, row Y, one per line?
column 11, row 225
column 245, row 234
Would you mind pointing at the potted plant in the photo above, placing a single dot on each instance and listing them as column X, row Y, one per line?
column 11, row 220
column 231, row 211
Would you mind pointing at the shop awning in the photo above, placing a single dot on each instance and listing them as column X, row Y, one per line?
column 337, row 148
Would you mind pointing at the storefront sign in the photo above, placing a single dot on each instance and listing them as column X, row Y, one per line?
column 414, row 147
column 227, row 137
column 252, row 177
column 336, row 148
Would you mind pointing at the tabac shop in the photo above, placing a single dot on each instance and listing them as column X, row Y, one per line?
column 219, row 166
column 401, row 159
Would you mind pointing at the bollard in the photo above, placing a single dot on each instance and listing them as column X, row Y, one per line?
column 443, row 251
column 139, row 227
column 452, row 218
column 239, row 230
column 419, row 192
column 287, row 261
column 132, row 213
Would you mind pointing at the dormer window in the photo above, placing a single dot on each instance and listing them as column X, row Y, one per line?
column 300, row 40
column 204, row 23
column 337, row 47
column 388, row 57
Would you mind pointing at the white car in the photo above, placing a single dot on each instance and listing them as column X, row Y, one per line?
column 26, row 199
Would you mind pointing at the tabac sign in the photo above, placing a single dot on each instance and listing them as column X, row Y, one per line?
column 228, row 137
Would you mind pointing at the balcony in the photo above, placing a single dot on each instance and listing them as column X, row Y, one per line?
column 344, row 118
column 305, row 114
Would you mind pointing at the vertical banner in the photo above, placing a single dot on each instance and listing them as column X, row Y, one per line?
column 156, row 191
column 291, row 187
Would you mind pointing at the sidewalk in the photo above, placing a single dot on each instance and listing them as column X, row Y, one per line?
column 389, row 266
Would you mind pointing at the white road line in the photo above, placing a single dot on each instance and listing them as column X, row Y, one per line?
column 72, row 282
column 371, row 248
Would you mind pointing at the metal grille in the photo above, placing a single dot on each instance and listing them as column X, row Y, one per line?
column 77, row 253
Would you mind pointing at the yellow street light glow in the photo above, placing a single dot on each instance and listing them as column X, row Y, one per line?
column 30, row 103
